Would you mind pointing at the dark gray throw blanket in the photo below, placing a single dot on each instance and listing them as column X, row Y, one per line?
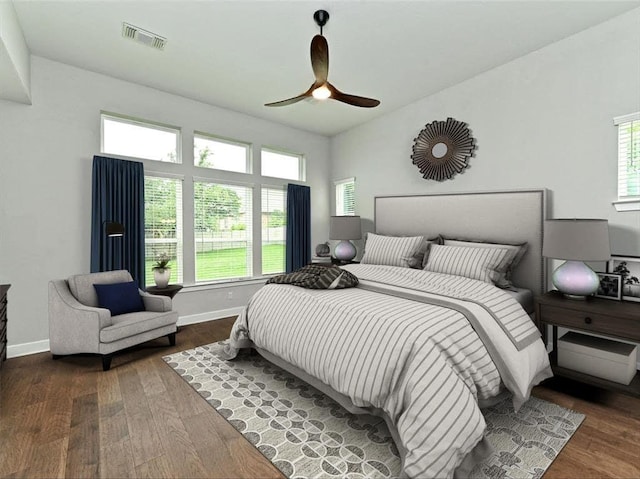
column 318, row 277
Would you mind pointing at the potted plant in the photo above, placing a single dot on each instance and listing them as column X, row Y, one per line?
column 161, row 270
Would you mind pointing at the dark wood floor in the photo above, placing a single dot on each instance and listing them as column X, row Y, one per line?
column 68, row 418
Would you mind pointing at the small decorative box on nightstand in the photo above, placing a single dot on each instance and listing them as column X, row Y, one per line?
column 600, row 357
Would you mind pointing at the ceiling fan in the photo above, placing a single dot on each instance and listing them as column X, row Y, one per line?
column 321, row 89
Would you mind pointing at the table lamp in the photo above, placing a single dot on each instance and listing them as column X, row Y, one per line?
column 345, row 228
column 576, row 241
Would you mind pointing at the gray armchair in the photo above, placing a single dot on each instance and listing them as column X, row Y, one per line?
column 78, row 325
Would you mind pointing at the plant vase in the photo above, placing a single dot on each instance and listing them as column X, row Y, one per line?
column 161, row 277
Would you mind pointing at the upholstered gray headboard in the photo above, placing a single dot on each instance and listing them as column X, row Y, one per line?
column 496, row 216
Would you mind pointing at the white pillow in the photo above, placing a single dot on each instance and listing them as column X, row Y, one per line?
column 470, row 262
column 505, row 270
column 390, row 250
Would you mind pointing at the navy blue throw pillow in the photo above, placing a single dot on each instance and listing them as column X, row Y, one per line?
column 119, row 298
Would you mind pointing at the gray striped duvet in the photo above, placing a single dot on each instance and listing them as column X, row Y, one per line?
column 409, row 343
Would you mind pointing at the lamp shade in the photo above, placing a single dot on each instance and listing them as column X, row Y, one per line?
column 345, row 228
column 113, row 229
column 576, row 239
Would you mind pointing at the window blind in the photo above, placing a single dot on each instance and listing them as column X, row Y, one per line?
column 163, row 225
column 345, row 197
column 628, row 155
column 273, row 222
column 223, row 231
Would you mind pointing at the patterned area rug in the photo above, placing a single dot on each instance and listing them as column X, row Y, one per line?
column 304, row 433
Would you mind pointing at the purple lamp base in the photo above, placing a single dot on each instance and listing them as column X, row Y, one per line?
column 345, row 251
column 575, row 279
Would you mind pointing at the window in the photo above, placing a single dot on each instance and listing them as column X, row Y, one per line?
column 274, row 222
column 345, row 197
column 223, row 231
column 628, row 156
column 277, row 164
column 138, row 139
column 163, row 225
column 230, row 240
column 212, row 152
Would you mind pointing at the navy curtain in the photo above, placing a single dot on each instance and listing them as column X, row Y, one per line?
column 298, row 227
column 118, row 196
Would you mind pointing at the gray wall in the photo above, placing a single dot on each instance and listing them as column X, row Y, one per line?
column 46, row 152
column 543, row 120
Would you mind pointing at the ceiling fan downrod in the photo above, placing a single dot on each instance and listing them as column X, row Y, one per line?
column 321, row 17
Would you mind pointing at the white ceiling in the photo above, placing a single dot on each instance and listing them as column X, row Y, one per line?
column 242, row 54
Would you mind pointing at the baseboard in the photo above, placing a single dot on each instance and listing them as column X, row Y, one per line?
column 209, row 316
column 24, row 349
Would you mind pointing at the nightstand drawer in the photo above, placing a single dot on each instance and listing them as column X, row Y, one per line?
column 591, row 321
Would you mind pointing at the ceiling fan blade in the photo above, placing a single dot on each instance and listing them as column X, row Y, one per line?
column 354, row 100
column 295, row 99
column 288, row 101
column 320, row 58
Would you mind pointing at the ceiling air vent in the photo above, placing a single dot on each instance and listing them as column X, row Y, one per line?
column 142, row 36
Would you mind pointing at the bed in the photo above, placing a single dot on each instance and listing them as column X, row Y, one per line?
column 425, row 347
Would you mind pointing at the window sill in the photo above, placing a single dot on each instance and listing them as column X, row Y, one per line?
column 226, row 284
column 627, row 205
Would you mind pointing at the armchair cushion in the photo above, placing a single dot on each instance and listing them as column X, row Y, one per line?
column 127, row 325
column 119, row 298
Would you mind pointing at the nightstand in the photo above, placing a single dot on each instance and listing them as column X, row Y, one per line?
column 342, row 263
column 613, row 319
column 326, row 261
column 321, row 260
column 3, row 322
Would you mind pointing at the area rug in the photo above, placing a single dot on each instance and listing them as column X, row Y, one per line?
column 306, row 434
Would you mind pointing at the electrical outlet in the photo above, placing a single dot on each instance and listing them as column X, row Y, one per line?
column 230, row 295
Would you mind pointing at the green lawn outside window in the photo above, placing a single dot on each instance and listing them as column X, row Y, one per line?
column 272, row 262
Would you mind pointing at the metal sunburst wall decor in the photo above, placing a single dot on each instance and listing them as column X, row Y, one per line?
column 443, row 149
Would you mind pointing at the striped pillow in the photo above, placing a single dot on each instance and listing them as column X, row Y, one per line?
column 505, row 270
column 390, row 250
column 474, row 263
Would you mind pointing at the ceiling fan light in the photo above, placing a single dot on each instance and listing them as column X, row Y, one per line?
column 321, row 93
